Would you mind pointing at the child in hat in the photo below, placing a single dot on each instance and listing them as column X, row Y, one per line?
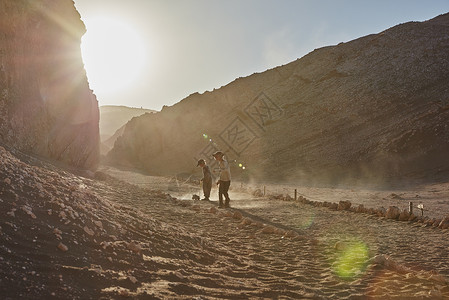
column 207, row 179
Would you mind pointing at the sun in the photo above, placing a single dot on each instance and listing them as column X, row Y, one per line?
column 114, row 54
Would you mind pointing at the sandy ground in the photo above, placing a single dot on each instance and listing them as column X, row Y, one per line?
column 325, row 257
column 434, row 197
column 119, row 235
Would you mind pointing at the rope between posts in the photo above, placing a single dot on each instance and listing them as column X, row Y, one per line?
column 298, row 194
column 419, row 206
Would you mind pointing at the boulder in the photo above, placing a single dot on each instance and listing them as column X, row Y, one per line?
column 344, row 205
column 333, row 206
column 246, row 221
column 444, row 224
column 360, row 209
column 412, row 218
column 436, row 223
column 257, row 224
column 88, row 231
column 381, row 212
column 228, row 214
column 291, row 234
column 276, row 197
column 393, row 212
column 404, row 215
column 63, row 247
column 429, row 222
column 134, row 247
column 237, row 215
column 421, row 219
column 268, row 230
column 280, row 231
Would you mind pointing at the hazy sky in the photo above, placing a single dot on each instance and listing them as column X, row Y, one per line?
column 187, row 46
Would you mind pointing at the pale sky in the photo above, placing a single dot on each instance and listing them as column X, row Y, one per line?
column 179, row 47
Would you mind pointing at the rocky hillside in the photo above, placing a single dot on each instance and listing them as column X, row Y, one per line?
column 46, row 106
column 112, row 123
column 112, row 118
column 108, row 144
column 376, row 107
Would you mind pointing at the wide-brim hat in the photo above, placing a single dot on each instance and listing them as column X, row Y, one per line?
column 218, row 153
column 200, row 161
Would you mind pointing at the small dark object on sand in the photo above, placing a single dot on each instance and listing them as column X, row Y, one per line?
column 195, row 197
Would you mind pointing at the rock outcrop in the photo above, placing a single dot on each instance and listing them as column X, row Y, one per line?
column 376, row 107
column 46, row 105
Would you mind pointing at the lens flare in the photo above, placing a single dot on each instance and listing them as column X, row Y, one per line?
column 307, row 218
column 351, row 259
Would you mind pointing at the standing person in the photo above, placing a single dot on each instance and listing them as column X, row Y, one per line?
column 224, row 179
column 207, row 179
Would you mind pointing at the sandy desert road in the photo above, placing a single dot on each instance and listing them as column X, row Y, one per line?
column 285, row 249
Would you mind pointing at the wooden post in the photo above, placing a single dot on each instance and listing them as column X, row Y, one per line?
column 264, row 191
column 410, row 207
column 296, row 194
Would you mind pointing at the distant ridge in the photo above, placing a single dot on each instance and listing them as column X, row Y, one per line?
column 375, row 108
column 113, row 117
column 112, row 121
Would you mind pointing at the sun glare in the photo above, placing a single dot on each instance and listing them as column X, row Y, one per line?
column 114, row 54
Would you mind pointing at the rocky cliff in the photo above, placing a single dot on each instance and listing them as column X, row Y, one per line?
column 46, row 106
column 375, row 108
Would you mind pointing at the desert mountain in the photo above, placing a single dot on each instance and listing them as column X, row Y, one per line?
column 112, row 118
column 46, row 105
column 112, row 123
column 376, row 107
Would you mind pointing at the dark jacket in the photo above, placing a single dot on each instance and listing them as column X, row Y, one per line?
column 207, row 175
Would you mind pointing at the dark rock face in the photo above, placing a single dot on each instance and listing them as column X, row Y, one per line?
column 46, row 106
column 376, row 108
